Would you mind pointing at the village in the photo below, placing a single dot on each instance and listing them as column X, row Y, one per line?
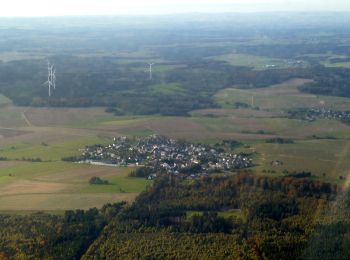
column 320, row 113
column 168, row 156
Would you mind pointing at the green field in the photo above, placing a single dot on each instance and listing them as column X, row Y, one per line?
column 49, row 152
column 326, row 159
column 255, row 62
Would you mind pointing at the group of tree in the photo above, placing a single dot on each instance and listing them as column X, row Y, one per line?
column 275, row 220
column 97, row 181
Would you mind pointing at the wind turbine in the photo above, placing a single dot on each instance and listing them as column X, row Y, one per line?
column 150, row 70
column 51, row 77
column 49, row 74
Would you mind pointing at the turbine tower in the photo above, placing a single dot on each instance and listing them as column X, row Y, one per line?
column 150, row 70
column 54, row 78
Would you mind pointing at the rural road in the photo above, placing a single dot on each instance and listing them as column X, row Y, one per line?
column 26, row 119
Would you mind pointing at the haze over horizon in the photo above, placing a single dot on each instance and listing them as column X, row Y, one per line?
column 37, row 8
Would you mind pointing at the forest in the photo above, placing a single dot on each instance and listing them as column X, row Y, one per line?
column 241, row 216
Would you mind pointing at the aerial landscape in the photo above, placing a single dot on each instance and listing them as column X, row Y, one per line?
column 178, row 136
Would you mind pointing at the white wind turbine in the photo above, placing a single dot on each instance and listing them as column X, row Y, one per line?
column 51, row 77
column 150, row 70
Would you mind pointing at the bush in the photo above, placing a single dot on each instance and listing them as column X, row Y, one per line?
column 300, row 174
column 279, row 140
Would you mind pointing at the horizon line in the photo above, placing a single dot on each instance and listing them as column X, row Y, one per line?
column 176, row 13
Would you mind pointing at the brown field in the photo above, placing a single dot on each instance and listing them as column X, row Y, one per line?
column 280, row 97
column 80, row 174
column 193, row 129
column 237, row 112
column 61, row 186
column 11, row 116
column 22, row 187
column 60, row 201
column 6, row 133
column 66, row 116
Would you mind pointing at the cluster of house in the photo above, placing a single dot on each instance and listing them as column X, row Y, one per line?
column 316, row 113
column 166, row 155
column 295, row 63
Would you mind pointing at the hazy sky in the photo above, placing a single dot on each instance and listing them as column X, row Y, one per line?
column 124, row 7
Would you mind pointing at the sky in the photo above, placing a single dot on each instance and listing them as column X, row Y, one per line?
column 11, row 8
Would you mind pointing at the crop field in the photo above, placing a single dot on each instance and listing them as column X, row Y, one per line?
column 60, row 186
column 267, row 127
column 279, row 97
